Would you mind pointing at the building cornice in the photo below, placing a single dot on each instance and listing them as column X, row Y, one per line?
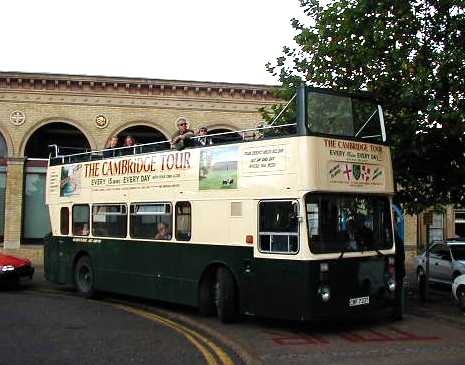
column 20, row 81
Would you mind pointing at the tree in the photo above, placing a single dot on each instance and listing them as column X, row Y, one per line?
column 411, row 56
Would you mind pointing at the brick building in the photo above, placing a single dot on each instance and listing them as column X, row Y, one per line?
column 85, row 111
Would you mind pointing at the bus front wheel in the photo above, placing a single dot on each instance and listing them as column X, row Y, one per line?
column 84, row 277
column 225, row 296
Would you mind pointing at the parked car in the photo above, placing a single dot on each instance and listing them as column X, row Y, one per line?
column 446, row 262
column 458, row 290
column 14, row 270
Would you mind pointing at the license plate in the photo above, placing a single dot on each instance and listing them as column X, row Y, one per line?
column 359, row 301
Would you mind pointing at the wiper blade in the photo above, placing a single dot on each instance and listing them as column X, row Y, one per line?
column 368, row 121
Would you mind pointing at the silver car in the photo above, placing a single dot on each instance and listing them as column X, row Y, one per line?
column 446, row 262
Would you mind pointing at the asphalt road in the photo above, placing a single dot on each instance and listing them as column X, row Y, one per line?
column 46, row 324
column 50, row 329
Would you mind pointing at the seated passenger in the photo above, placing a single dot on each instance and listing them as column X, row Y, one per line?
column 182, row 138
column 352, row 236
column 202, row 139
column 162, row 232
column 84, row 230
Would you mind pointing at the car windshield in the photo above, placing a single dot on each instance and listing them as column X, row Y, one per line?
column 458, row 251
column 348, row 222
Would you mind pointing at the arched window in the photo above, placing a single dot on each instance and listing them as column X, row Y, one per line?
column 143, row 134
column 71, row 140
column 62, row 134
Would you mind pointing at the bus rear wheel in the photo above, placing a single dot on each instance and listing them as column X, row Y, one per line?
column 207, row 296
column 225, row 296
column 84, row 277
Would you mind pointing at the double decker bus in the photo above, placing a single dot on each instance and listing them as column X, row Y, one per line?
column 281, row 225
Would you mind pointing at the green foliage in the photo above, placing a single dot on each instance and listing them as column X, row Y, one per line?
column 411, row 56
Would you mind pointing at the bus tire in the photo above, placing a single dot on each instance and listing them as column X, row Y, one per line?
column 84, row 277
column 207, row 297
column 225, row 296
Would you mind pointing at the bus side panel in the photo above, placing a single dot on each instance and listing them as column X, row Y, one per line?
column 178, row 268
column 59, row 256
column 164, row 271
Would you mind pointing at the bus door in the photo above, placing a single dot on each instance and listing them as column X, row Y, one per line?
column 276, row 271
column 56, row 255
column 109, row 224
column 148, row 257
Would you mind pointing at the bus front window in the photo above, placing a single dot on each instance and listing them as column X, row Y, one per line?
column 345, row 116
column 345, row 223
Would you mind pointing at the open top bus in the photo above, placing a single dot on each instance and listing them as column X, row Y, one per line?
column 293, row 221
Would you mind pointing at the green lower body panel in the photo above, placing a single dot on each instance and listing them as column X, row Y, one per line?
column 273, row 288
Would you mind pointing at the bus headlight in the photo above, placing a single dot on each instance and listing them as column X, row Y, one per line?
column 391, row 285
column 325, row 293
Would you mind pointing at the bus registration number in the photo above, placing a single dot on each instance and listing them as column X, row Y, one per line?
column 359, row 301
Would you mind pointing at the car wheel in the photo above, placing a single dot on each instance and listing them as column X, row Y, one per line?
column 461, row 297
column 225, row 296
column 421, row 280
column 84, row 277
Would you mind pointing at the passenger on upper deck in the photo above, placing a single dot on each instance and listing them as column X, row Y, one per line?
column 110, row 148
column 129, row 141
column 203, row 140
column 182, row 138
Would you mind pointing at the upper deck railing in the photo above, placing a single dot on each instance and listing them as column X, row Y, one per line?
column 317, row 112
column 241, row 136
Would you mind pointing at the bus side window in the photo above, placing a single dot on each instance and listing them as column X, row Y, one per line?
column 278, row 226
column 109, row 220
column 64, row 221
column 183, row 221
column 81, row 220
column 151, row 221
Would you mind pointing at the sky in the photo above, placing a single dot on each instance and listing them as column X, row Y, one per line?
column 200, row 40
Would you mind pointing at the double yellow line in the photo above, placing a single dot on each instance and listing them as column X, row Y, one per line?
column 212, row 353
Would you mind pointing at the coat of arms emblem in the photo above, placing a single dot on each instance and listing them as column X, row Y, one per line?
column 356, row 171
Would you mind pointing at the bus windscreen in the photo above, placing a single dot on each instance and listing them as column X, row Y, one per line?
column 348, row 223
column 344, row 116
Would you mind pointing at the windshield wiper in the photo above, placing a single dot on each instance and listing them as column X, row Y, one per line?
column 368, row 121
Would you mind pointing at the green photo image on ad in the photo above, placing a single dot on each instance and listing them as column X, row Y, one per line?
column 218, row 168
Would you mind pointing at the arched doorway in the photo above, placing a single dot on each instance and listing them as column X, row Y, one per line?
column 70, row 138
column 144, row 134
column 3, row 155
column 36, row 221
column 225, row 138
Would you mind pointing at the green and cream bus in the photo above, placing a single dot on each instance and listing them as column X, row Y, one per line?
column 282, row 225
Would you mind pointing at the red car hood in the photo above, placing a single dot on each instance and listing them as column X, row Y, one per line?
column 14, row 261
